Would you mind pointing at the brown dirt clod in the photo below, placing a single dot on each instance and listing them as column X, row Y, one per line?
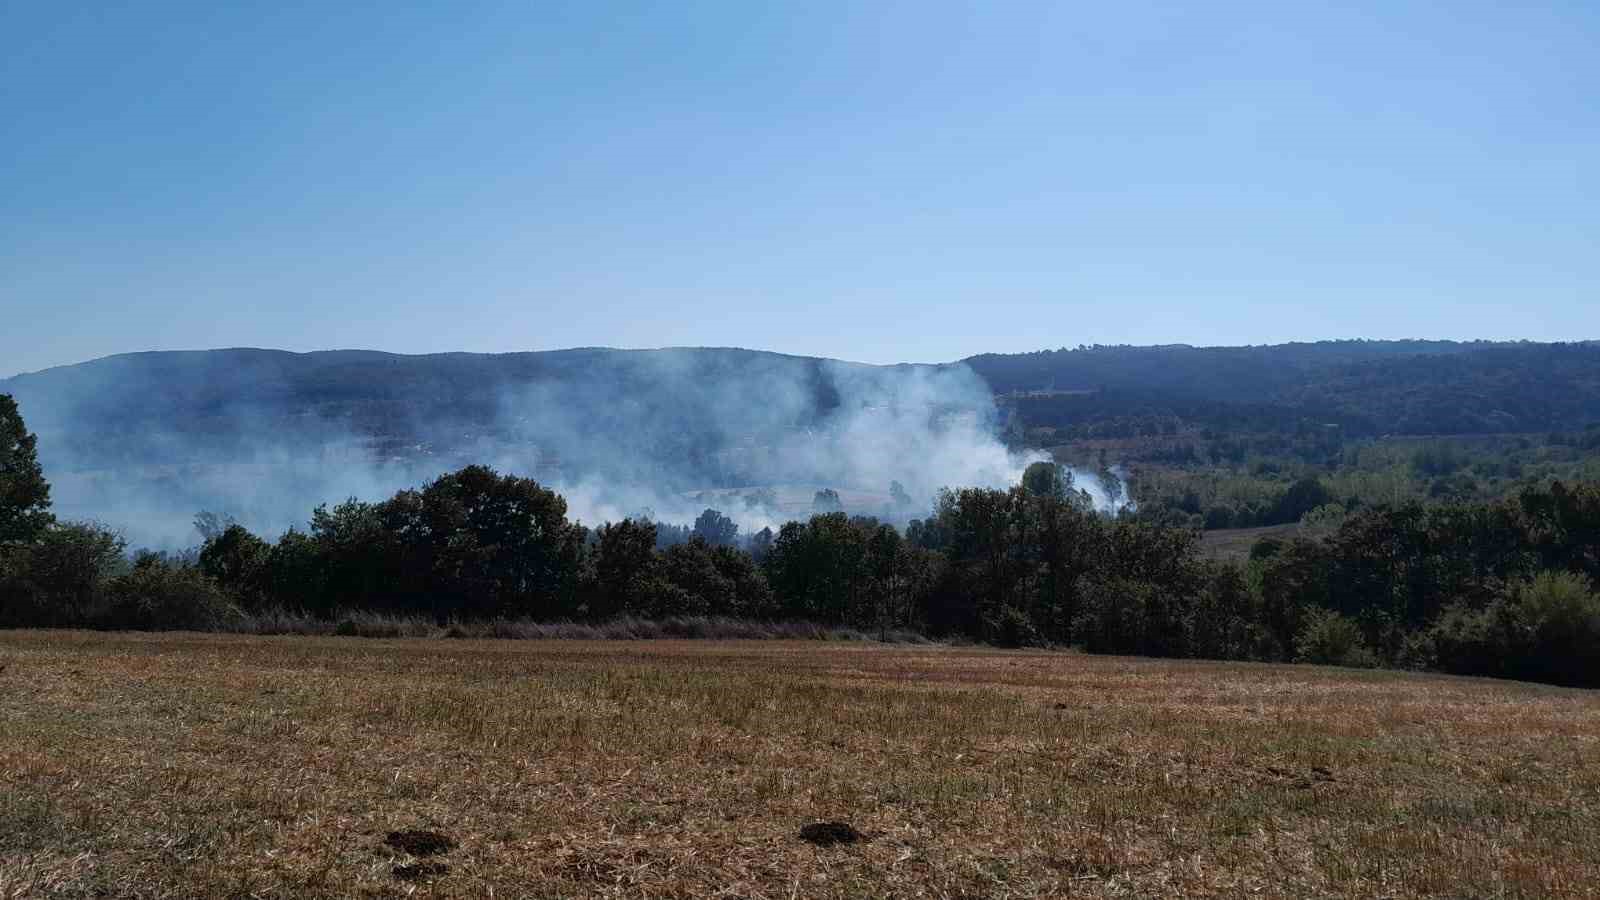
column 419, row 843
column 827, row 834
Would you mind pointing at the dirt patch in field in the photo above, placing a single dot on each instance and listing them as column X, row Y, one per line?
column 827, row 834
column 419, row 843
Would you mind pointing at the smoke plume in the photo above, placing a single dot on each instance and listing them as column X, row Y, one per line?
column 142, row 443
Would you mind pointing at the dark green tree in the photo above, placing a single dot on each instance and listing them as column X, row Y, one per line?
column 500, row 545
column 816, row 567
column 760, row 544
column 1302, row 497
column 24, row 494
column 236, row 560
column 1045, row 479
column 625, row 565
column 58, row 579
column 716, row 529
column 296, row 574
column 699, row 589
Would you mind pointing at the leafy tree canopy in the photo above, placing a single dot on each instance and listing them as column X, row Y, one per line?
column 24, row 494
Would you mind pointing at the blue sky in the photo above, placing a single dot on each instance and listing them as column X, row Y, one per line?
column 880, row 181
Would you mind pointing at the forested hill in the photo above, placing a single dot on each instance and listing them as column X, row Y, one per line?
column 131, row 405
column 178, row 405
column 1366, row 387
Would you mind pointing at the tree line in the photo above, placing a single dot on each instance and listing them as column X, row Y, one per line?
column 1503, row 588
column 1367, row 388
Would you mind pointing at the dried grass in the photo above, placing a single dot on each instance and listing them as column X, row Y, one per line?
column 185, row 765
column 625, row 628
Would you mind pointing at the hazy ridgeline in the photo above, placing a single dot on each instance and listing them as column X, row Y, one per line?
column 141, row 442
column 144, row 440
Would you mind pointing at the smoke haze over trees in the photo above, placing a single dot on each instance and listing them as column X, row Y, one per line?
column 142, row 441
column 1504, row 588
column 146, row 439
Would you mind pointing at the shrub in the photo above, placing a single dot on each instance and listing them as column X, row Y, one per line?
column 237, row 560
column 1463, row 642
column 58, row 579
column 1562, row 616
column 1012, row 627
column 1543, row 629
column 157, row 596
column 1328, row 638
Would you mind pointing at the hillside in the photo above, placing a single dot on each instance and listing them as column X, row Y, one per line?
column 128, row 407
column 149, row 438
column 131, row 407
column 1364, row 387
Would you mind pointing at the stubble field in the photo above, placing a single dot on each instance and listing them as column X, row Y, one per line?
column 225, row 766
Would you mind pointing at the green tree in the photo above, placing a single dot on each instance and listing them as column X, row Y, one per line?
column 991, row 549
column 1046, row 479
column 24, row 494
column 1302, row 497
column 296, row 573
column 157, row 595
column 625, row 565
column 816, row 567
column 1330, row 639
column 760, row 544
column 236, row 560
column 58, row 579
column 499, row 545
column 716, row 529
column 700, row 588
column 354, row 546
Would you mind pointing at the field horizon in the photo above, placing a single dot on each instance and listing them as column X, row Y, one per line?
column 190, row 765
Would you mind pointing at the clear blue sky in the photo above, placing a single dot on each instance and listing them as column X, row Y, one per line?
column 879, row 181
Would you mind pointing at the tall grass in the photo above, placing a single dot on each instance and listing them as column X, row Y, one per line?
column 361, row 623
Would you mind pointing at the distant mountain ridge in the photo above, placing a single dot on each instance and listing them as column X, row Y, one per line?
column 146, row 439
column 221, row 401
column 1365, row 387
column 116, row 407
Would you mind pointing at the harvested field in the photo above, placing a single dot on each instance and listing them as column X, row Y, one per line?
column 215, row 765
column 1235, row 544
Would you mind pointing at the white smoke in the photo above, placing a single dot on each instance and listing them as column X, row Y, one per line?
column 667, row 433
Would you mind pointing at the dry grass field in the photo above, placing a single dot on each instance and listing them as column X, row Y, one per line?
column 226, row 766
column 1235, row 544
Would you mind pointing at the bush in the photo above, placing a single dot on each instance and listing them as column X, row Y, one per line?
column 58, row 579
column 237, row 560
column 1330, row 639
column 1463, row 642
column 1543, row 629
column 1129, row 616
column 157, row 596
column 1563, row 616
column 1012, row 627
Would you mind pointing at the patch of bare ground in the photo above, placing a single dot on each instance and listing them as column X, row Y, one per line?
column 215, row 765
